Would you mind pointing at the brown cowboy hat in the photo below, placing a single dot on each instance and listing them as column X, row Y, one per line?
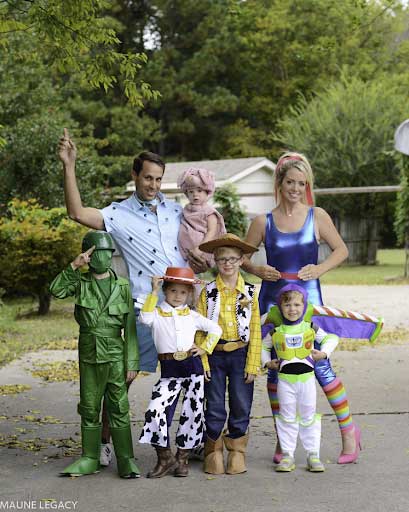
column 227, row 240
column 181, row 275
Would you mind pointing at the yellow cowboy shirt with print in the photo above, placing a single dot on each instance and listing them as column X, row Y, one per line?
column 228, row 322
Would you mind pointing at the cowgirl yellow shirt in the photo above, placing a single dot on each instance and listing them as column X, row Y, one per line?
column 228, row 322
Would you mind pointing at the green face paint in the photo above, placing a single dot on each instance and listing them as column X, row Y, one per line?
column 100, row 261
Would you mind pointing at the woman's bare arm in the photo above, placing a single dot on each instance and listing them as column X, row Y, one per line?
column 329, row 234
column 255, row 236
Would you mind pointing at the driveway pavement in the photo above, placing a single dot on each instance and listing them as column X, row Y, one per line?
column 39, row 427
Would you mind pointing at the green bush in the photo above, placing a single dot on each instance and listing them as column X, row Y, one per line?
column 228, row 201
column 347, row 134
column 36, row 244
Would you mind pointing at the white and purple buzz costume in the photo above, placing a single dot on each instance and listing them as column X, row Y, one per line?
column 296, row 387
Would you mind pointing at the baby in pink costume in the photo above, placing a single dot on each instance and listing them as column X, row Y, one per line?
column 200, row 221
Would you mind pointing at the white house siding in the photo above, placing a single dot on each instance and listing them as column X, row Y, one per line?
column 251, row 190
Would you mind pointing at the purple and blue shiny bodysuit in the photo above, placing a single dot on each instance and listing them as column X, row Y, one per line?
column 288, row 253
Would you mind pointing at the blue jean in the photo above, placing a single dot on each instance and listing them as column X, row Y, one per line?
column 228, row 367
column 148, row 357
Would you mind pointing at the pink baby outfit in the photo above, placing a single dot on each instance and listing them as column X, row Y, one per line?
column 193, row 228
column 193, row 225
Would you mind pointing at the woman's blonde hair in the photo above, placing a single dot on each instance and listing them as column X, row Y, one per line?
column 294, row 161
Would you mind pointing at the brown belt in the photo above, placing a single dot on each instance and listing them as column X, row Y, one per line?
column 177, row 356
column 229, row 346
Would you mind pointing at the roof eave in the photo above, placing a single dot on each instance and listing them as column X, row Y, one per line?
column 265, row 162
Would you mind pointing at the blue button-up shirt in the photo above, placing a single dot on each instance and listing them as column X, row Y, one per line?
column 147, row 241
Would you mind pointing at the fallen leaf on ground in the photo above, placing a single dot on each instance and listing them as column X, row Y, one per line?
column 58, row 371
column 13, row 389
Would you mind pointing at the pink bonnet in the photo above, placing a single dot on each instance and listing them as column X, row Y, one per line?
column 195, row 177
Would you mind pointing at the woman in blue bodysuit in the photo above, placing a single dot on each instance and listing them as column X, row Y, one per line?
column 291, row 235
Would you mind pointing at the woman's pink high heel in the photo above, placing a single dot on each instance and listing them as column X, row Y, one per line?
column 349, row 458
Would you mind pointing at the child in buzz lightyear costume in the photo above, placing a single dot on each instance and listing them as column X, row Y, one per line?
column 293, row 340
column 103, row 307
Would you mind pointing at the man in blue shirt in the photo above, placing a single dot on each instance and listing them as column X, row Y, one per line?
column 145, row 229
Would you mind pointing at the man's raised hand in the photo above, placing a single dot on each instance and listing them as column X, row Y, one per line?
column 67, row 151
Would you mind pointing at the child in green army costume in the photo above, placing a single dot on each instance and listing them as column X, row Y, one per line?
column 103, row 307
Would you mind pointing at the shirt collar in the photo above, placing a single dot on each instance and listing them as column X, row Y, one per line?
column 165, row 306
column 141, row 204
column 239, row 285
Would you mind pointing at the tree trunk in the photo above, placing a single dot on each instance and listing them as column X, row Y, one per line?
column 44, row 303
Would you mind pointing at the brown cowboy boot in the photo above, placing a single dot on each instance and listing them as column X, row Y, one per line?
column 166, row 462
column 213, row 456
column 236, row 460
column 182, row 459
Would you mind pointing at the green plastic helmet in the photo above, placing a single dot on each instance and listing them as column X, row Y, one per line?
column 101, row 240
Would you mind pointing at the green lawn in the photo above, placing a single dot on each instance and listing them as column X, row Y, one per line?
column 22, row 330
column 389, row 270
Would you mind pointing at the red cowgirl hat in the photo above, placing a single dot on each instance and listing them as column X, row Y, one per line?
column 181, row 275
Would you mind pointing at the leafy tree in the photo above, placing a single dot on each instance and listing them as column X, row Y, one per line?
column 228, row 200
column 310, row 44
column 347, row 133
column 29, row 167
column 129, row 129
column 77, row 37
column 402, row 209
column 229, row 70
column 27, row 86
column 36, row 244
column 63, row 61
column 33, row 112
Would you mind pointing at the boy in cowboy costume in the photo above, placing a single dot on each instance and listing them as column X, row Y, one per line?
column 293, row 339
column 236, row 359
column 103, row 307
column 174, row 326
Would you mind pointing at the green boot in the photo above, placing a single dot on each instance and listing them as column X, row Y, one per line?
column 89, row 461
column 122, row 441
